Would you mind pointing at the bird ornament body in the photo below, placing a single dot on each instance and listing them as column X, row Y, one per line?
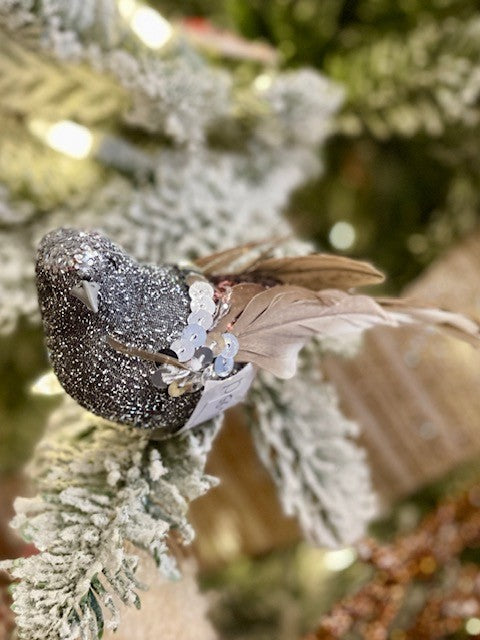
column 168, row 347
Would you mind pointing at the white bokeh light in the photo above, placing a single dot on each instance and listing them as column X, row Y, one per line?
column 342, row 235
column 263, row 82
column 339, row 559
column 151, row 27
column 46, row 385
column 70, row 138
column 126, row 8
column 472, row 626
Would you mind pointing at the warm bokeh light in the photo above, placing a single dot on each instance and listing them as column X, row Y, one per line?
column 151, row 27
column 263, row 81
column 339, row 559
column 65, row 136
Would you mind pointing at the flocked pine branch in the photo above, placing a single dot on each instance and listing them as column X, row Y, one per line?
column 198, row 204
column 305, row 442
column 100, row 486
column 16, row 280
column 176, row 93
column 425, row 83
column 51, row 86
column 167, row 93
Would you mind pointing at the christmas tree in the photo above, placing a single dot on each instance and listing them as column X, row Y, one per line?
column 352, row 125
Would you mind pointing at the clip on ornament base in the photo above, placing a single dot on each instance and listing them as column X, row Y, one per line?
column 217, row 396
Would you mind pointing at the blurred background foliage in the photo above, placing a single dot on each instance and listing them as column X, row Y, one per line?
column 22, row 360
column 401, row 170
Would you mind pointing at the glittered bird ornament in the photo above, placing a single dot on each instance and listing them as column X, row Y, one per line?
column 168, row 347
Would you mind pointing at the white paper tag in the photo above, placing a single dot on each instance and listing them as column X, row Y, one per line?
column 219, row 395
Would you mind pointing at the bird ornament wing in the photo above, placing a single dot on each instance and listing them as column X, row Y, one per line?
column 278, row 304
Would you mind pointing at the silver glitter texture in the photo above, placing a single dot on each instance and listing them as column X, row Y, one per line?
column 141, row 306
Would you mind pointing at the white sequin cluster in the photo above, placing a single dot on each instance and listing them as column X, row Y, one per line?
column 203, row 353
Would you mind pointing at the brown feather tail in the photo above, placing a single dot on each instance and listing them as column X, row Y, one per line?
column 279, row 321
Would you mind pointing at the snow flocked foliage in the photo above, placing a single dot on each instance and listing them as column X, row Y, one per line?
column 306, row 443
column 426, row 82
column 103, row 488
column 100, row 486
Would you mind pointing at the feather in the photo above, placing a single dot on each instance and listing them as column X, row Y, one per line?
column 455, row 324
column 317, row 271
column 228, row 261
column 240, row 296
column 278, row 322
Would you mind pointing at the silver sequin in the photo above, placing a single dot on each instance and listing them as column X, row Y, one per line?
column 201, row 289
column 203, row 304
column 205, row 355
column 201, row 317
column 223, row 366
column 231, row 345
column 195, row 334
column 183, row 348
